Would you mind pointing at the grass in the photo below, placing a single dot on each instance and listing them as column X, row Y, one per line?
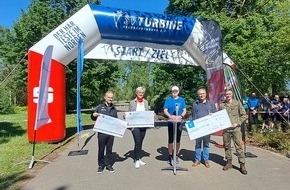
column 15, row 147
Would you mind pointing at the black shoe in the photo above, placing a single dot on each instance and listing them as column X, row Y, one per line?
column 100, row 169
column 169, row 161
column 110, row 169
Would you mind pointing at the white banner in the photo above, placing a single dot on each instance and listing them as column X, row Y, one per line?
column 140, row 52
column 110, row 126
column 208, row 124
column 140, row 119
column 42, row 116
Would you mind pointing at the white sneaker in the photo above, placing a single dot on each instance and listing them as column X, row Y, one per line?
column 142, row 163
column 137, row 164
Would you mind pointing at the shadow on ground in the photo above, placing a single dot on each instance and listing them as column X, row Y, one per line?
column 8, row 130
column 16, row 178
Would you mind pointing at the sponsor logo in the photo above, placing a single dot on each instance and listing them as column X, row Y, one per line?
column 69, row 34
column 36, row 95
column 123, row 20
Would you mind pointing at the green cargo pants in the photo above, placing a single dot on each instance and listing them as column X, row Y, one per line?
column 235, row 135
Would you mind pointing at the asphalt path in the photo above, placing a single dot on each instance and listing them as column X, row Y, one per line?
column 266, row 170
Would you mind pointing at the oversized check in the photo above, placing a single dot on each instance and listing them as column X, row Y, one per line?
column 110, row 125
column 140, row 119
column 208, row 124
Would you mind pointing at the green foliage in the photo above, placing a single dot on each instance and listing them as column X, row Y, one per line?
column 276, row 140
column 5, row 104
column 98, row 77
column 188, row 78
column 135, row 74
column 255, row 36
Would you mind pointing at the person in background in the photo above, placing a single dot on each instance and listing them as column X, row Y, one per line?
column 170, row 111
column 266, row 116
column 254, row 105
column 245, row 124
column 246, row 103
column 201, row 108
column 105, row 141
column 285, row 115
column 237, row 115
column 138, row 104
column 276, row 105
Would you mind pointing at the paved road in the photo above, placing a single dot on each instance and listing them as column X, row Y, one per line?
column 266, row 171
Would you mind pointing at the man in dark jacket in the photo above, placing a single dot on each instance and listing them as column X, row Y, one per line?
column 201, row 108
column 105, row 141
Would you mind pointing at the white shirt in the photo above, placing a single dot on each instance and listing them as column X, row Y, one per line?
column 140, row 106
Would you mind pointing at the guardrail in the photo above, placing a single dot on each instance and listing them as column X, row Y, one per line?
column 119, row 106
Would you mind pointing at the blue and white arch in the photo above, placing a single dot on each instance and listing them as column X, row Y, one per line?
column 118, row 34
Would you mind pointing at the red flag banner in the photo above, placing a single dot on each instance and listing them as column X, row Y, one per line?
column 211, row 46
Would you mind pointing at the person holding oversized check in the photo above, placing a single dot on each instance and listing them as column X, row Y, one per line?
column 171, row 104
column 105, row 141
column 201, row 108
column 237, row 115
column 138, row 104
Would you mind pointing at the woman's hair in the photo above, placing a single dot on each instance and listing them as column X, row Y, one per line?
column 142, row 89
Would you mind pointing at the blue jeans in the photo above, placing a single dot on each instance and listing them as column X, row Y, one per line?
column 205, row 153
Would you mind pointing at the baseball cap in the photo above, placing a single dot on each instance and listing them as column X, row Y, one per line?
column 175, row 88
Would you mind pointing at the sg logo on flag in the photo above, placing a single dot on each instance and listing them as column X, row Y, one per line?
column 36, row 95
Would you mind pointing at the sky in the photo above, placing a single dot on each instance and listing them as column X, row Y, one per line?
column 10, row 10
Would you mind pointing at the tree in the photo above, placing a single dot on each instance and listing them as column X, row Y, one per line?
column 188, row 78
column 136, row 74
column 254, row 36
column 5, row 103
column 36, row 22
column 97, row 78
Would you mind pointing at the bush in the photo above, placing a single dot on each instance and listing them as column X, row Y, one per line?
column 277, row 140
column 5, row 107
column 20, row 108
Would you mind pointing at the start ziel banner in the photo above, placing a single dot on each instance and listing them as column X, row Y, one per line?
column 134, row 53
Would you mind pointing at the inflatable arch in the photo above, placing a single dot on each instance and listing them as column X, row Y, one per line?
column 110, row 33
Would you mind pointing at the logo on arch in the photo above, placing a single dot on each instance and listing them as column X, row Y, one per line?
column 127, row 20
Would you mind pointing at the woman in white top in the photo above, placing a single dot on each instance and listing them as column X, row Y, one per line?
column 138, row 104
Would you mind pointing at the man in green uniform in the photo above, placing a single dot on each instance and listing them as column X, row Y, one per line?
column 237, row 116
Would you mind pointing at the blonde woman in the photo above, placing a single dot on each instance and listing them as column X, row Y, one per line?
column 138, row 104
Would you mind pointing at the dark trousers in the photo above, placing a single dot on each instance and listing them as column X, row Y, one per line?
column 105, row 142
column 253, row 120
column 171, row 132
column 138, row 135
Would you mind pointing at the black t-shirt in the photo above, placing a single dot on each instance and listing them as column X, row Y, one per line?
column 266, row 104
